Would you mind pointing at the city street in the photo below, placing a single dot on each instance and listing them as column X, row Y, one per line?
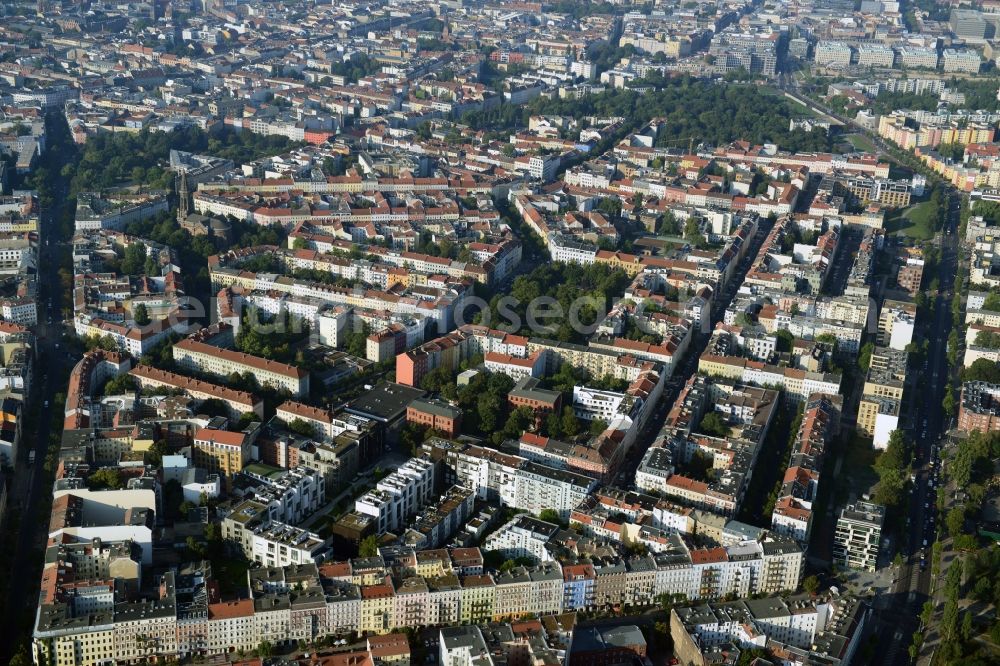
column 53, row 365
column 913, row 585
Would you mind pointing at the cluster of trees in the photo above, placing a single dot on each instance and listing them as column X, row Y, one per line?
column 192, row 251
column 566, row 377
column 633, row 332
column 356, row 342
column 158, row 449
column 357, row 67
column 442, row 248
column 261, row 263
column 607, row 55
column 990, row 210
column 669, row 225
column 484, row 404
column 784, row 339
column 992, row 301
column 106, row 478
column 893, row 469
column 486, row 412
column 982, row 370
column 785, row 437
column 120, row 385
column 699, row 110
column 60, row 155
column 887, row 102
column 979, row 93
column 105, row 342
column 368, row 546
column 713, row 424
column 718, row 114
column 971, row 465
column 136, row 261
column 958, row 628
column 581, row 8
column 321, row 276
column 162, row 356
column 939, row 200
column 272, row 337
column 111, row 159
column 566, row 284
column 412, row 435
column 437, row 44
column 988, row 339
column 956, row 151
column 301, row 427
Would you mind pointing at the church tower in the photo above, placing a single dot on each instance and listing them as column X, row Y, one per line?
column 182, row 196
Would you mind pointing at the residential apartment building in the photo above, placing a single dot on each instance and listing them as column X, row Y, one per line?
column 805, row 629
column 397, row 498
column 858, row 537
column 221, row 451
column 961, row 60
column 196, row 356
column 876, row 55
column 979, row 408
column 882, row 395
column 836, row 55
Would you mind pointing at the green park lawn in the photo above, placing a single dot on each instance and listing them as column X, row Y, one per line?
column 917, row 221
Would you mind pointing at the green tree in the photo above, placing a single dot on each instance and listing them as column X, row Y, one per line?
column 302, row 427
column 552, row 426
column 134, row 260
column 122, row 384
column 692, row 232
column 518, row 421
column 783, row 340
column 865, row 356
column 569, row 423
column 713, row 424
column 22, row 657
column 106, row 478
column 550, row 516
column 965, row 631
column 368, row 546
column 955, row 521
column 265, row 650
column 948, row 404
column 489, row 409
column 213, row 407
column 140, row 314
column 157, row 450
column 245, row 420
column 810, row 584
column 982, row 370
column 892, row 466
column 597, row 426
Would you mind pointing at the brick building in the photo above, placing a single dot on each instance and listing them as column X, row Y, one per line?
column 436, row 414
column 526, row 393
column 980, row 407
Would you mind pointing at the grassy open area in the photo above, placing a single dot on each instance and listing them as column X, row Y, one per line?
column 917, row 221
column 861, row 142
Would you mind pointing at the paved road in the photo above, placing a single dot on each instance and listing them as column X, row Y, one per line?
column 914, row 583
column 30, row 487
column 900, row 620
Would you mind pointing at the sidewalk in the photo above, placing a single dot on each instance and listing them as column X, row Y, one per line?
column 932, row 634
